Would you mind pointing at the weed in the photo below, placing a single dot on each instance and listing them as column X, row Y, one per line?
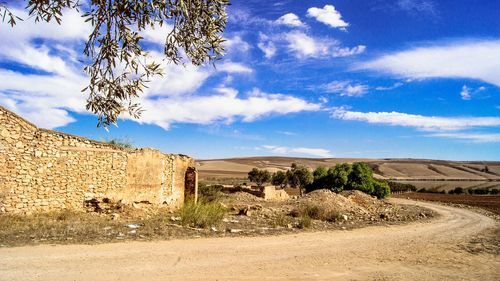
column 304, row 222
column 281, row 220
column 202, row 214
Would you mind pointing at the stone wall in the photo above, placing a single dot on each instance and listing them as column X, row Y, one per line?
column 42, row 170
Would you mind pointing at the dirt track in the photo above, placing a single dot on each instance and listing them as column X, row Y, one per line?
column 420, row 251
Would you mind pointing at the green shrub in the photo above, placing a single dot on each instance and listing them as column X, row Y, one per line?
column 304, row 222
column 202, row 214
column 380, row 189
column 399, row 186
column 209, row 193
column 122, row 143
column 281, row 220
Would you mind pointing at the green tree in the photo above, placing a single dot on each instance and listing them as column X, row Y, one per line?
column 299, row 177
column 119, row 69
column 279, row 179
column 319, row 173
column 361, row 178
column 258, row 176
column 338, row 176
column 380, row 189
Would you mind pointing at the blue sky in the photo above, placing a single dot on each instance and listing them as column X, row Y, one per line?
column 376, row 79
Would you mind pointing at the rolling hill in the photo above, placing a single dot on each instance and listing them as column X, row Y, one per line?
column 396, row 169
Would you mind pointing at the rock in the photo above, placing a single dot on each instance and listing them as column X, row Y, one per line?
column 133, row 226
column 172, row 218
column 115, row 216
column 213, row 229
column 245, row 212
column 233, row 230
column 289, row 225
column 422, row 215
column 344, row 217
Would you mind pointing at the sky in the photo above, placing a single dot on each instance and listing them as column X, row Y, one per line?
column 339, row 78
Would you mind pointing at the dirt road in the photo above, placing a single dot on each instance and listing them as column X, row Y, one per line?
column 419, row 251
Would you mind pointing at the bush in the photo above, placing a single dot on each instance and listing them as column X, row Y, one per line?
column 281, row 220
column 304, row 222
column 122, row 143
column 494, row 191
column 380, row 189
column 202, row 214
column 399, row 186
column 209, row 193
column 481, row 191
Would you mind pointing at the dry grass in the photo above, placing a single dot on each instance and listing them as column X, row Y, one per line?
column 316, row 212
column 202, row 215
column 80, row 227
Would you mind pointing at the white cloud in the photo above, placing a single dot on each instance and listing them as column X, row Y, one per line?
column 305, row 46
column 48, row 98
column 286, row 133
column 420, row 122
column 282, row 150
column 391, row 87
column 236, row 44
column 417, row 6
column 290, row 19
column 473, row 60
column 344, row 88
column 268, row 48
column 225, row 106
column 328, row 15
column 346, row 52
column 157, row 35
column 473, row 137
column 233, row 67
column 465, row 93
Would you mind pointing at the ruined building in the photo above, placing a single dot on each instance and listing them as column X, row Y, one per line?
column 43, row 170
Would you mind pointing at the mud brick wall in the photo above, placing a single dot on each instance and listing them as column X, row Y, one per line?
column 43, row 170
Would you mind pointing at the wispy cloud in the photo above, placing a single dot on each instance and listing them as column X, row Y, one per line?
column 466, row 59
column 306, row 46
column 300, row 151
column 466, row 93
column 328, row 15
column 286, row 133
column 343, row 88
column 473, row 137
column 420, row 122
column 388, row 88
column 417, row 7
column 266, row 45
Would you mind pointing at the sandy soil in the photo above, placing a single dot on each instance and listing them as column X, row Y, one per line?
column 421, row 251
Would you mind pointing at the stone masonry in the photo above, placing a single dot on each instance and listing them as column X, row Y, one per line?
column 44, row 170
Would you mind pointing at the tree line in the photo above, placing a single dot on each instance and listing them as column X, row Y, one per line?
column 356, row 176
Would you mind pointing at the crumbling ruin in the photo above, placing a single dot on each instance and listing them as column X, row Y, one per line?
column 43, row 170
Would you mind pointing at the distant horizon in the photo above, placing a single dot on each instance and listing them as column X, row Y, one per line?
column 354, row 158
